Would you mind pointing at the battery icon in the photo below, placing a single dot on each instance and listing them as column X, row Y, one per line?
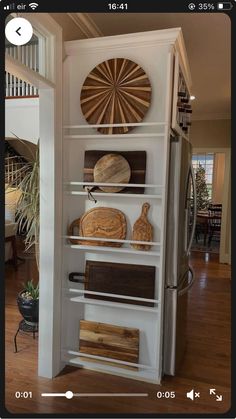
column 224, row 6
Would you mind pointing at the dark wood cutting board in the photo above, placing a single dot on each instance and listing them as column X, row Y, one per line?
column 107, row 340
column 136, row 160
column 118, row 278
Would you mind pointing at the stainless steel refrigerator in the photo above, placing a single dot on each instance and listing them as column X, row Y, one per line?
column 181, row 219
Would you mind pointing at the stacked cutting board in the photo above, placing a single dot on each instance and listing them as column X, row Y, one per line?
column 109, row 341
column 103, row 339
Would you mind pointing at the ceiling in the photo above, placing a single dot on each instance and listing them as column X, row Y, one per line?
column 207, row 39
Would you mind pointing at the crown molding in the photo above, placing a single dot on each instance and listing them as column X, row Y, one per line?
column 86, row 24
column 138, row 39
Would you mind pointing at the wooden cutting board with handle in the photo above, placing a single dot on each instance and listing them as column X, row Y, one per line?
column 135, row 159
column 142, row 229
column 104, row 222
column 73, row 230
column 112, row 168
column 117, row 278
column 107, row 340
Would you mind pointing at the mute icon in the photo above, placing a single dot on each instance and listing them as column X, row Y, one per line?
column 193, row 395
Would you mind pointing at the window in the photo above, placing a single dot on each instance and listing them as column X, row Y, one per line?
column 33, row 55
column 206, row 160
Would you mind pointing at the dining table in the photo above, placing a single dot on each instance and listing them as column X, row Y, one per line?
column 203, row 218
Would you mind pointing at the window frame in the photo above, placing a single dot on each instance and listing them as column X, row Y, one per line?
column 196, row 164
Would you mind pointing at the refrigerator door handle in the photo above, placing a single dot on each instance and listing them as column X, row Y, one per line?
column 190, row 284
column 194, row 209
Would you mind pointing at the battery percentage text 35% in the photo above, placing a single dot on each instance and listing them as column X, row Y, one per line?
column 206, row 6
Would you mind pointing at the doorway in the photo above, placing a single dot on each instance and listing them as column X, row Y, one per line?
column 211, row 168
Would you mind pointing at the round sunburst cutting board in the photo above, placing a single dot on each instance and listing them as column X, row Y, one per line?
column 116, row 91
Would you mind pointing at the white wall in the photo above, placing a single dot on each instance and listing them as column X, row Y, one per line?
column 213, row 133
column 218, row 178
column 22, row 118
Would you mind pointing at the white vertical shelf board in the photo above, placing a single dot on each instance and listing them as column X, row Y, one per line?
column 71, row 313
column 160, row 324
column 66, row 307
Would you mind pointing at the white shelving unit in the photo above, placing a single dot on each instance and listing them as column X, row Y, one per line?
column 89, row 308
column 151, row 135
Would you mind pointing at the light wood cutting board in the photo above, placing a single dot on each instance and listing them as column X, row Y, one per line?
column 109, row 341
column 104, row 222
column 112, row 168
column 142, row 229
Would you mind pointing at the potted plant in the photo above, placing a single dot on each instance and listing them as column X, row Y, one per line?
column 28, row 303
column 27, row 208
column 26, row 180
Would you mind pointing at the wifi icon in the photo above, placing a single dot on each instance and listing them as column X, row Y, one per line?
column 33, row 6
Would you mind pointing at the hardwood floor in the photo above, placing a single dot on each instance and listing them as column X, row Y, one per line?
column 206, row 364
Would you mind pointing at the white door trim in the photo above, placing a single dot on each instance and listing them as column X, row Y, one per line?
column 50, row 128
column 225, row 255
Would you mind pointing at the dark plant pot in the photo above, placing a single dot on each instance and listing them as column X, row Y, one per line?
column 29, row 309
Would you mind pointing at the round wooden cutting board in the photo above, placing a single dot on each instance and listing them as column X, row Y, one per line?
column 116, row 91
column 104, row 222
column 112, row 168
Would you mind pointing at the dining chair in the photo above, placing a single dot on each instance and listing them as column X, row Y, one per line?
column 214, row 222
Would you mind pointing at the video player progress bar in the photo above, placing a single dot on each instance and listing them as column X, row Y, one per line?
column 70, row 394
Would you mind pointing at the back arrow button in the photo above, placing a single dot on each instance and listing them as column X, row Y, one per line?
column 17, row 31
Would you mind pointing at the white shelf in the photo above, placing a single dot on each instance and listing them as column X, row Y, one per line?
column 104, row 249
column 83, row 238
column 125, row 124
column 106, row 294
column 106, row 359
column 130, row 185
column 112, row 304
column 114, row 136
column 147, row 375
column 116, row 195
